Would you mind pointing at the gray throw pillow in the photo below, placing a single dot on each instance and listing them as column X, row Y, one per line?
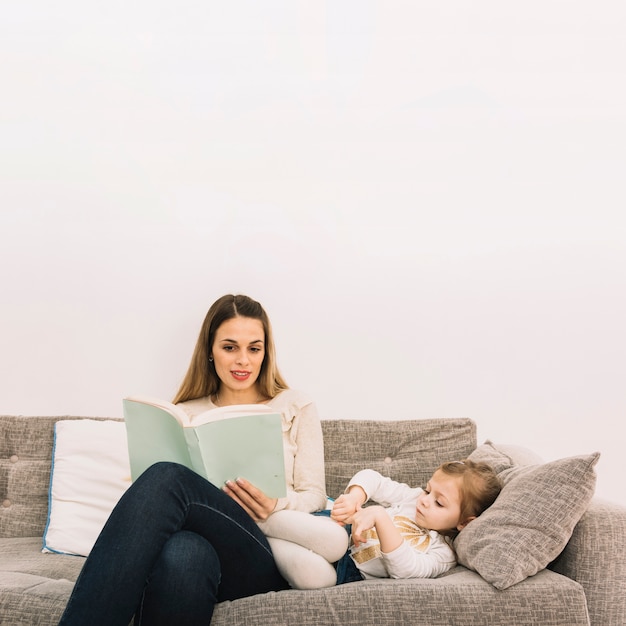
column 490, row 453
column 532, row 519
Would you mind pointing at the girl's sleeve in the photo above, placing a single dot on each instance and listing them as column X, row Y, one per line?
column 382, row 489
column 408, row 562
column 309, row 479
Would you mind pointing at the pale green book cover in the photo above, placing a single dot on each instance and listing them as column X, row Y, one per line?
column 242, row 441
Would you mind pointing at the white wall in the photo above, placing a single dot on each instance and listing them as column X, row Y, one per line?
column 427, row 197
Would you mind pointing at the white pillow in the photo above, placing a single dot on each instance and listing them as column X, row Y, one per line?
column 90, row 472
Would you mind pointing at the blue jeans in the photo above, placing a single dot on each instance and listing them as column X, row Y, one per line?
column 173, row 547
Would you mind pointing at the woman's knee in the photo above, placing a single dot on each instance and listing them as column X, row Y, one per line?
column 188, row 554
column 160, row 479
column 163, row 471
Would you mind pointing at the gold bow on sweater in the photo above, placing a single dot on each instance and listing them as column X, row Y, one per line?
column 418, row 538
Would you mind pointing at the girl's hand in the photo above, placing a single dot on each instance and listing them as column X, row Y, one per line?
column 364, row 520
column 258, row 506
column 347, row 504
column 376, row 517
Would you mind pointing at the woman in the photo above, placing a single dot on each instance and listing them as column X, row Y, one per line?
column 175, row 545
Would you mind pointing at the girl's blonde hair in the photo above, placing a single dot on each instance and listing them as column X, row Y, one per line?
column 201, row 378
column 479, row 486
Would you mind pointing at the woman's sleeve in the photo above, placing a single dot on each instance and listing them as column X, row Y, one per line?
column 309, row 480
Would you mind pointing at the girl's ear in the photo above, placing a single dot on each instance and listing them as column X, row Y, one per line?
column 462, row 525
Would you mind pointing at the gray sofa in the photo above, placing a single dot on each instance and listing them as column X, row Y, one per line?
column 586, row 584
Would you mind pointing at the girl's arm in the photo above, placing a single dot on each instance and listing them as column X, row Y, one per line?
column 369, row 485
column 407, row 561
column 376, row 517
column 347, row 504
column 382, row 489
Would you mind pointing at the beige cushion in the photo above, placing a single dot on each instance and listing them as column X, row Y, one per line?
column 531, row 521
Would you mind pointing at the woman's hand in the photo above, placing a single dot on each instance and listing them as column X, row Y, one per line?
column 258, row 506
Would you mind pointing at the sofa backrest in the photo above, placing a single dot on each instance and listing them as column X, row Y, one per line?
column 407, row 451
column 25, row 460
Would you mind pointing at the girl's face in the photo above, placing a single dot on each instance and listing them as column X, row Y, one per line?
column 439, row 506
column 238, row 351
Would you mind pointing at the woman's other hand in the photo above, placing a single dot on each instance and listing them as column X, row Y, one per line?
column 258, row 505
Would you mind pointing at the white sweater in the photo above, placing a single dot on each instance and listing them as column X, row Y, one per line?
column 422, row 554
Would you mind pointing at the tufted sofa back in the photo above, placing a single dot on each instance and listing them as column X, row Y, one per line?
column 408, row 451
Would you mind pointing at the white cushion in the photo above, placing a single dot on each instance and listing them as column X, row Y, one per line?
column 90, row 472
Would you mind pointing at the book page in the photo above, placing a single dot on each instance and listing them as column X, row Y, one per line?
column 153, row 435
column 222, row 444
column 227, row 412
column 245, row 446
column 175, row 411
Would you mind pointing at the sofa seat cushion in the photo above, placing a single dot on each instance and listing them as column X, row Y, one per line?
column 26, row 600
column 35, row 588
column 461, row 598
column 23, row 555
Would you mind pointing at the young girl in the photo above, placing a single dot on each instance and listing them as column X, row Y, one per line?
column 408, row 533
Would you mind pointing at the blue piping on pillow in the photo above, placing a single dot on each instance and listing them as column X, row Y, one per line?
column 44, row 547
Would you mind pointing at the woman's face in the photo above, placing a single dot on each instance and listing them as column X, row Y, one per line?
column 238, row 352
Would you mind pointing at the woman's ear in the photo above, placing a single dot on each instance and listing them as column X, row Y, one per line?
column 462, row 525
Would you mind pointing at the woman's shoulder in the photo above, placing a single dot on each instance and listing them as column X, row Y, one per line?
column 293, row 398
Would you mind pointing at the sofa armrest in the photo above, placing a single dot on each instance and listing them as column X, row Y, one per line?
column 595, row 557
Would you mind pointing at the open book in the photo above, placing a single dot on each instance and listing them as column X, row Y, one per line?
column 225, row 443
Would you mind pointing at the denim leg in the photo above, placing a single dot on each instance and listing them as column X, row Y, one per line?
column 182, row 584
column 165, row 499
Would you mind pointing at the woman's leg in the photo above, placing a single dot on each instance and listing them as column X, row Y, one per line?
column 165, row 499
column 305, row 545
column 182, row 584
column 302, row 568
column 315, row 532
